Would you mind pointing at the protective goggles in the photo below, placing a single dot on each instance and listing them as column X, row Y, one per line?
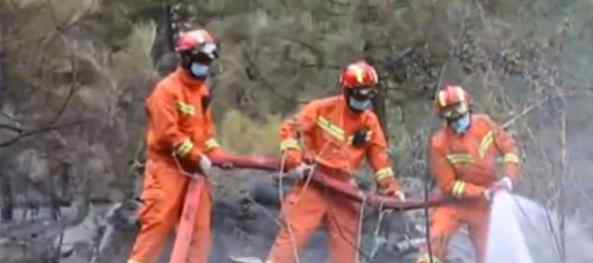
column 205, row 53
column 363, row 93
column 454, row 111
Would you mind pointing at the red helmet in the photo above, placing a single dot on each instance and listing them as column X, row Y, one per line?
column 197, row 41
column 452, row 101
column 359, row 75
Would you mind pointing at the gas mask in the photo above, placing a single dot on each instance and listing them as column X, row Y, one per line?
column 198, row 61
column 360, row 99
column 457, row 117
column 359, row 105
column 461, row 124
column 199, row 71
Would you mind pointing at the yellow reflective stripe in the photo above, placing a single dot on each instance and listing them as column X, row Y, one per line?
column 486, row 143
column 460, row 93
column 426, row 259
column 359, row 73
column 458, row 189
column 186, row 108
column 383, row 173
column 289, row 144
column 334, row 129
column 331, row 129
column 459, row 158
column 184, row 148
column 211, row 144
column 442, row 98
column 511, row 158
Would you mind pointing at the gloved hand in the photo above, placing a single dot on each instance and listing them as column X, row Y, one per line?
column 395, row 193
column 293, row 158
column 391, row 189
column 361, row 137
column 303, row 170
column 205, row 164
column 504, row 184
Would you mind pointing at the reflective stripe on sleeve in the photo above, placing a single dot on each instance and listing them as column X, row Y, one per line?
column 211, row 144
column 383, row 173
column 185, row 147
column 426, row 259
column 289, row 144
column 458, row 189
column 185, row 108
column 511, row 158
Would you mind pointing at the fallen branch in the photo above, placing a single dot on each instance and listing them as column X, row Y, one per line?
column 11, row 128
column 30, row 133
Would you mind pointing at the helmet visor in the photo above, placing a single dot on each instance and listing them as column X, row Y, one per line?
column 454, row 111
column 363, row 93
column 205, row 53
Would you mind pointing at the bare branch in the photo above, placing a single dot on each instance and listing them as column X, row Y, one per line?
column 525, row 111
column 70, row 95
column 457, row 44
column 30, row 133
column 10, row 117
column 11, row 128
column 61, row 28
column 265, row 82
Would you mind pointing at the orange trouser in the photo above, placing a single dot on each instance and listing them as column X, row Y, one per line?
column 163, row 195
column 303, row 211
column 447, row 220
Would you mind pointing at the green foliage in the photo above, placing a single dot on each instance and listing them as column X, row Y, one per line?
column 277, row 55
column 136, row 56
column 240, row 134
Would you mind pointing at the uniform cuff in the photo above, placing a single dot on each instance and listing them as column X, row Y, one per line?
column 211, row 144
column 511, row 158
column 184, row 148
column 458, row 189
column 384, row 173
column 289, row 144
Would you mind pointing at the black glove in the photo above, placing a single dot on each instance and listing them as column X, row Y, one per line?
column 361, row 137
column 206, row 100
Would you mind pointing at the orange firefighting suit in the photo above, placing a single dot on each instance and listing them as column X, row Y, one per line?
column 464, row 167
column 326, row 127
column 180, row 130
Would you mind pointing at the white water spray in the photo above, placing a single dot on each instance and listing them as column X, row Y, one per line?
column 523, row 231
column 506, row 240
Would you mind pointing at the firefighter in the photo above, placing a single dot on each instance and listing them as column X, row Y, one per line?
column 463, row 160
column 181, row 141
column 335, row 135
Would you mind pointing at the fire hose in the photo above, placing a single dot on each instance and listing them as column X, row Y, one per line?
column 350, row 191
column 272, row 164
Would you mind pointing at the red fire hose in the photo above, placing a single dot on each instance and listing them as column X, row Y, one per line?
column 273, row 164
